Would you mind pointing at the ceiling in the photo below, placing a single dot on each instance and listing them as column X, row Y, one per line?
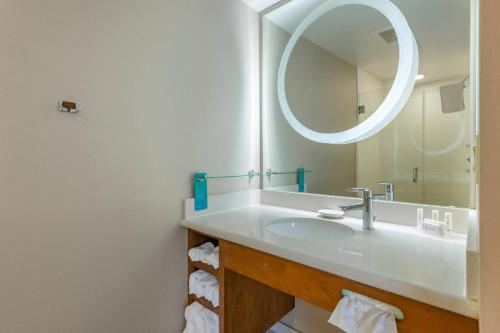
column 441, row 28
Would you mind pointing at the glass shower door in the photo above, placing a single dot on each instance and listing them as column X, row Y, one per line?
column 395, row 154
column 424, row 152
column 402, row 145
column 447, row 151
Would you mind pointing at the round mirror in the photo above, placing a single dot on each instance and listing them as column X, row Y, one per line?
column 370, row 38
column 341, row 68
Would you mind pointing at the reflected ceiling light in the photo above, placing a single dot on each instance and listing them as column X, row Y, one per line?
column 419, row 77
column 397, row 96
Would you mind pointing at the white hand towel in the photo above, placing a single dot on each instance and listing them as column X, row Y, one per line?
column 200, row 319
column 194, row 281
column 211, row 321
column 212, row 258
column 197, row 253
column 354, row 314
column 209, row 288
column 194, row 318
column 203, row 284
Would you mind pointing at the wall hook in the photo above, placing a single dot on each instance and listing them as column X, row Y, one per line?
column 70, row 107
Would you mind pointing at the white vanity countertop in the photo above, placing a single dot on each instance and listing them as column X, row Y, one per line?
column 395, row 258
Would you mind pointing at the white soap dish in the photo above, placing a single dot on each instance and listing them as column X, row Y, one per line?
column 331, row 213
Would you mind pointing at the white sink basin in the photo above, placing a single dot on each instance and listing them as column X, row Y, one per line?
column 309, row 229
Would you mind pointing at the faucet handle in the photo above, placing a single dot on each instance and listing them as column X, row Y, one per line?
column 367, row 193
column 387, row 186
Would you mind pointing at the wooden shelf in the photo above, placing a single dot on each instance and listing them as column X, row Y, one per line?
column 206, row 303
column 205, row 267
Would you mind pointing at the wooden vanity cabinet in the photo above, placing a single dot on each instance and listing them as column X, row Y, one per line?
column 257, row 289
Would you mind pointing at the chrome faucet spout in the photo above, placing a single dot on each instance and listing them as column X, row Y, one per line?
column 366, row 206
column 349, row 208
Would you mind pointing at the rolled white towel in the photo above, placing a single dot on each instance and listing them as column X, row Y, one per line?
column 194, row 280
column 212, row 294
column 211, row 321
column 197, row 253
column 212, row 258
column 209, row 289
column 203, row 284
column 200, row 319
column 194, row 318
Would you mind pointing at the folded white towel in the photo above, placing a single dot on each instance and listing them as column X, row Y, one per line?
column 194, row 319
column 211, row 321
column 209, row 288
column 212, row 258
column 355, row 314
column 203, row 284
column 194, row 281
column 200, row 319
column 197, row 253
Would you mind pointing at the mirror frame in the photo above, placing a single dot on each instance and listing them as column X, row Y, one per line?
column 398, row 95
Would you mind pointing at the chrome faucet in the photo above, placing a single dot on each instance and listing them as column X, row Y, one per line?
column 366, row 206
column 388, row 192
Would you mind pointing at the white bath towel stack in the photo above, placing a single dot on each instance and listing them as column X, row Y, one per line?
column 200, row 320
column 203, row 284
column 206, row 253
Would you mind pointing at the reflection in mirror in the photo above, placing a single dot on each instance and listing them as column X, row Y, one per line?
column 339, row 73
column 321, row 77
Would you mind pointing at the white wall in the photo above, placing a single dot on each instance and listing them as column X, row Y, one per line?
column 317, row 82
column 90, row 203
